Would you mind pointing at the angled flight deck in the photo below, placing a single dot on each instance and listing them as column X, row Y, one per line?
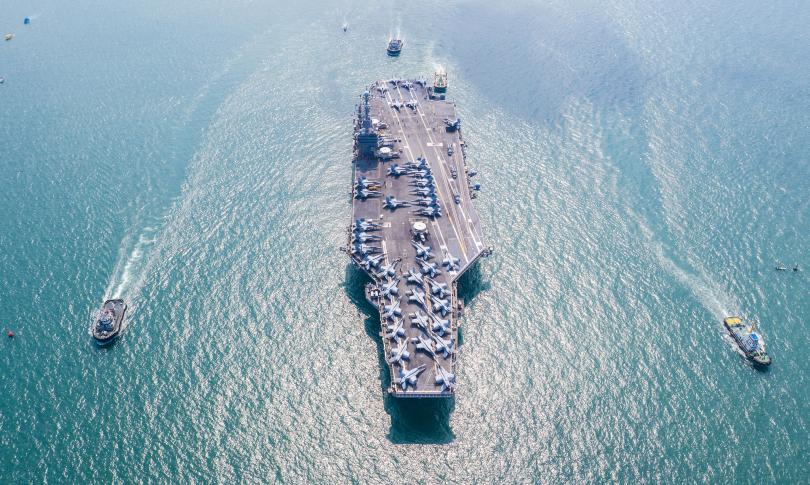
column 414, row 229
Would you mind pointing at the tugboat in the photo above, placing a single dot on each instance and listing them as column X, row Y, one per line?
column 440, row 81
column 749, row 341
column 108, row 323
column 439, row 88
column 395, row 46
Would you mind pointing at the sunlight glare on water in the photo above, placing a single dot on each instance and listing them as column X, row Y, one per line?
column 644, row 165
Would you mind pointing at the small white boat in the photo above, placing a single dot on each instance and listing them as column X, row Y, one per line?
column 9, row 36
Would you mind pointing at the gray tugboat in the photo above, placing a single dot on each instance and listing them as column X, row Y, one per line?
column 749, row 341
column 109, row 321
column 395, row 46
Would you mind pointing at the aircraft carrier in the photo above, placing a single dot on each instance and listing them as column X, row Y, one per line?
column 414, row 229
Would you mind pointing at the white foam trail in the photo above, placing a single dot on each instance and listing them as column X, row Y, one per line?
column 711, row 298
column 129, row 264
column 131, row 267
column 710, row 295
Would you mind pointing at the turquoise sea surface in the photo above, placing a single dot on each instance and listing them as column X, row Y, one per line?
column 645, row 165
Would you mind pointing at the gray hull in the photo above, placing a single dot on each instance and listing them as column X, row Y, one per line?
column 106, row 335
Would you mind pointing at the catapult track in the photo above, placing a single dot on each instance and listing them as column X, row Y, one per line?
column 399, row 127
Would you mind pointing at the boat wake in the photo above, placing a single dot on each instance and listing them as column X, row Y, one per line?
column 131, row 267
column 709, row 294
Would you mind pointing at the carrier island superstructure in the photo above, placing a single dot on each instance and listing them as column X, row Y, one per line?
column 414, row 229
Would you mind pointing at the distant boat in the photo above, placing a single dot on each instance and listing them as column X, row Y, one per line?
column 2, row 79
column 8, row 37
column 780, row 267
column 440, row 81
column 395, row 46
column 345, row 27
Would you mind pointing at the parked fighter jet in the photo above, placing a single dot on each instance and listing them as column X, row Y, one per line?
column 395, row 329
column 406, row 84
column 442, row 345
column 421, row 174
column 450, row 262
column 365, row 237
column 427, row 201
column 419, row 319
column 438, row 289
column 399, row 353
column 372, row 261
column 446, row 379
column 429, row 268
column 365, row 183
column 389, row 270
column 417, row 296
column 396, row 105
column 424, row 191
column 360, row 248
column 365, row 225
column 418, row 173
column 452, row 125
column 392, row 310
column 395, row 170
column 394, row 81
column 411, row 104
column 440, row 326
column 419, row 163
column 432, row 212
column 442, row 305
column 390, row 288
column 414, row 277
column 425, row 345
column 422, row 251
column 422, row 183
column 409, row 377
column 382, row 89
column 392, row 203
column 364, row 194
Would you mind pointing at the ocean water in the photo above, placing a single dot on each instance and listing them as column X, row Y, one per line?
column 644, row 167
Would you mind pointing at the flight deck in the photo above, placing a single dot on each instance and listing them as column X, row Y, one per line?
column 414, row 229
